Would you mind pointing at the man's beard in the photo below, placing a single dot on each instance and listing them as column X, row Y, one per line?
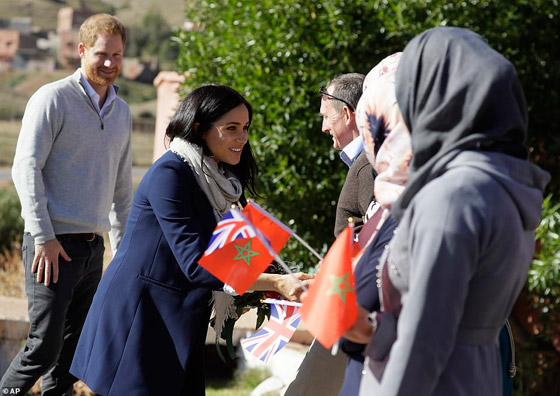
column 92, row 74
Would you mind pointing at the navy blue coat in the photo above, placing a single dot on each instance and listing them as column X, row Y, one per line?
column 146, row 328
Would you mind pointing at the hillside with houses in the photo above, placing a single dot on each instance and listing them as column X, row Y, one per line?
column 27, row 47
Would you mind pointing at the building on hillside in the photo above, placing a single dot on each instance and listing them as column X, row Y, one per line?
column 68, row 26
column 9, row 44
column 21, row 24
column 30, row 57
column 18, row 47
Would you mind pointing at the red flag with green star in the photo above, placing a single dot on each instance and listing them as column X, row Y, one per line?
column 277, row 232
column 237, row 252
column 330, row 307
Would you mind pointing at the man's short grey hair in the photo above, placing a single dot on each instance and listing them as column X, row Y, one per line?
column 348, row 87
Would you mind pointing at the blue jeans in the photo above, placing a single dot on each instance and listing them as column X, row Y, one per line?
column 56, row 315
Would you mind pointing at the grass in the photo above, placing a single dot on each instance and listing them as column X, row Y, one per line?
column 11, row 273
column 9, row 131
column 135, row 92
column 25, row 84
column 242, row 384
column 142, row 148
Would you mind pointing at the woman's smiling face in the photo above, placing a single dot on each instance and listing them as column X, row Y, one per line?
column 228, row 135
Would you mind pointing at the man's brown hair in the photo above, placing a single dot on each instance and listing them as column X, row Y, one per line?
column 100, row 23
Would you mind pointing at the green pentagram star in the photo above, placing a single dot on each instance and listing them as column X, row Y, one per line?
column 340, row 286
column 245, row 253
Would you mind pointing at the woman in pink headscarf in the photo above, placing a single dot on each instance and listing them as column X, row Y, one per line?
column 387, row 145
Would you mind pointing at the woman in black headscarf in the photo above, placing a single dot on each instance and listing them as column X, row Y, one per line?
column 467, row 216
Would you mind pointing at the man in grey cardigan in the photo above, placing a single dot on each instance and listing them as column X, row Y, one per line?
column 73, row 174
column 321, row 373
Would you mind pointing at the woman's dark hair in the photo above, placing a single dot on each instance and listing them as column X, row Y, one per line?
column 204, row 106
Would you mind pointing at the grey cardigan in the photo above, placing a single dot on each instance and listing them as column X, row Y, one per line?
column 72, row 169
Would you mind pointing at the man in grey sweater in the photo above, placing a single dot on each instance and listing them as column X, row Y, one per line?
column 73, row 174
column 320, row 372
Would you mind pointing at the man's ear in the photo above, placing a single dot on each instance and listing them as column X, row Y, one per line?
column 81, row 50
column 348, row 115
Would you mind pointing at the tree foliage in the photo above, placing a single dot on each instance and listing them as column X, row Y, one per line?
column 278, row 54
column 11, row 227
column 539, row 308
column 151, row 39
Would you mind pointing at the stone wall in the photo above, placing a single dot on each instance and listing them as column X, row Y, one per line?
column 14, row 324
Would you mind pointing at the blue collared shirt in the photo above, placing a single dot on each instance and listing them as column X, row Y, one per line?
column 352, row 150
column 111, row 95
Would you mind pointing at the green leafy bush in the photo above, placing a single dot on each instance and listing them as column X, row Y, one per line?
column 11, row 226
column 537, row 312
column 278, row 54
column 544, row 276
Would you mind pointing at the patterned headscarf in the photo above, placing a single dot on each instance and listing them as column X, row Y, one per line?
column 386, row 138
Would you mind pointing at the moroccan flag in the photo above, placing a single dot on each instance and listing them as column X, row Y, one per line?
column 331, row 307
column 237, row 253
column 276, row 232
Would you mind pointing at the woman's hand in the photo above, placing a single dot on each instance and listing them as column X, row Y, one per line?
column 362, row 329
column 290, row 288
column 286, row 285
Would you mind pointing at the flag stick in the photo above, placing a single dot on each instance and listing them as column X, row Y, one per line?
column 273, row 253
column 289, row 271
column 282, row 302
column 290, row 230
column 307, row 246
column 334, row 349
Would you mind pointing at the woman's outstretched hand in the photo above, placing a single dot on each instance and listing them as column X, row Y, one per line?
column 290, row 289
column 286, row 285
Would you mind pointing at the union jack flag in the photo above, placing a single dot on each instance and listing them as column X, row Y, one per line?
column 280, row 328
column 231, row 227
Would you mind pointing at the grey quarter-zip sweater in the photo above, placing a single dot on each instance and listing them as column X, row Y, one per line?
column 73, row 168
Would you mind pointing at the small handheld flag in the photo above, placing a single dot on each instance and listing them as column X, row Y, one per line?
column 277, row 233
column 237, row 253
column 280, row 328
column 331, row 306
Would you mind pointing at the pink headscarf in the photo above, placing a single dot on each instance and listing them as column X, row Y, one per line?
column 378, row 112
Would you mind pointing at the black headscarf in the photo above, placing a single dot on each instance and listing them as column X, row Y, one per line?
column 456, row 93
